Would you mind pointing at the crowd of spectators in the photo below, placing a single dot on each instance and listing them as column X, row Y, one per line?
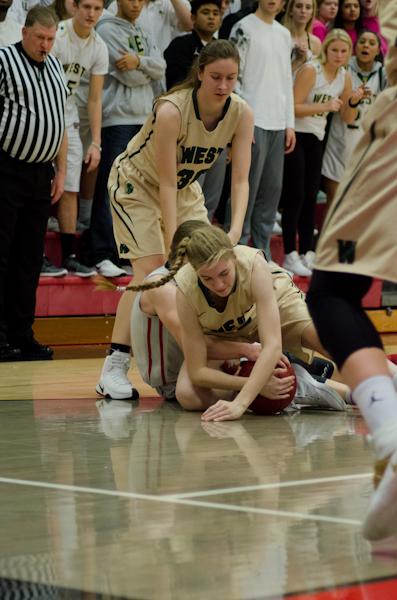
column 117, row 58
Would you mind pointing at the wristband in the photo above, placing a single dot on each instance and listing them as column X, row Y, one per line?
column 97, row 146
column 353, row 105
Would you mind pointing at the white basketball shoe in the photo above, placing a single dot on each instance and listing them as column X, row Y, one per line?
column 113, row 382
column 314, row 394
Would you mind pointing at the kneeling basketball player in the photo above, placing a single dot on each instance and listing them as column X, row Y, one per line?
column 162, row 323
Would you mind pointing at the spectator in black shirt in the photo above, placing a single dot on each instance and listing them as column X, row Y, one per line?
column 180, row 54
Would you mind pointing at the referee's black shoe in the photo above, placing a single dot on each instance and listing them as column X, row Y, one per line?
column 31, row 350
column 9, row 354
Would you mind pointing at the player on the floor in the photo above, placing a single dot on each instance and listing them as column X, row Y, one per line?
column 359, row 242
column 153, row 187
column 246, row 290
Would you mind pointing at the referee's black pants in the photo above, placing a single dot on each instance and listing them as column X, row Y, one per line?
column 25, row 198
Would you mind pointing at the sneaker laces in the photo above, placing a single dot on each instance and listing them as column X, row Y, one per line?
column 119, row 366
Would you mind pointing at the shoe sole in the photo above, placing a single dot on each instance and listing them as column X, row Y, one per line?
column 335, row 402
column 101, row 391
column 381, row 519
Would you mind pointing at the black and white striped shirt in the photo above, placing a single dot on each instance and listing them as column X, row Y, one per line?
column 32, row 105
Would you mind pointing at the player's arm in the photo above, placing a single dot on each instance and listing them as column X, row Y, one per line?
column 195, row 351
column 269, row 331
column 162, row 302
column 94, row 105
column 168, row 122
column 241, row 160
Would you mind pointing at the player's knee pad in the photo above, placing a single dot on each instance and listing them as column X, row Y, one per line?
column 334, row 302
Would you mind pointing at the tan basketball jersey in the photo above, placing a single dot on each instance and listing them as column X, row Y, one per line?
column 197, row 148
column 359, row 234
column 238, row 321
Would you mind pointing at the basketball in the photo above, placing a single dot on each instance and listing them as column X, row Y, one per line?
column 266, row 406
column 230, row 367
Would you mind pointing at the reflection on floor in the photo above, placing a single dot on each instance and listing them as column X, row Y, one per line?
column 143, row 500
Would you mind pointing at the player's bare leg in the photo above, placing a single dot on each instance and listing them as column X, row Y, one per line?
column 113, row 382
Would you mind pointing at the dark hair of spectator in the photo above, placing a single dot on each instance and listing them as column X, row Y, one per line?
column 338, row 23
column 42, row 15
column 196, row 4
column 213, row 51
column 379, row 56
column 58, row 6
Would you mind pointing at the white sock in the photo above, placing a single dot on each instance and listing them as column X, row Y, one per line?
column 394, row 377
column 376, row 398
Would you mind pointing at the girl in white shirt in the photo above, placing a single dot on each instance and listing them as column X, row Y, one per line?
column 364, row 68
column 320, row 87
column 298, row 19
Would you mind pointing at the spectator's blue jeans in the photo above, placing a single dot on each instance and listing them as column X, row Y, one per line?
column 101, row 244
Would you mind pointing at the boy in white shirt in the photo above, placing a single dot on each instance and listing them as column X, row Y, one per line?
column 80, row 50
column 265, row 82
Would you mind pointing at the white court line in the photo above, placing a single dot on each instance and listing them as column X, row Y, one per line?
column 271, row 486
column 266, row 511
column 176, row 500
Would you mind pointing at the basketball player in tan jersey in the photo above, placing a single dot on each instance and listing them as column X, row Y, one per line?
column 230, row 294
column 153, row 187
column 157, row 340
column 359, row 242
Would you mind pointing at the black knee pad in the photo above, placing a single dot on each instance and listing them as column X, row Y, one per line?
column 334, row 301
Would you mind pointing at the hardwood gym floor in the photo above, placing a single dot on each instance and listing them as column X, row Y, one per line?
column 143, row 501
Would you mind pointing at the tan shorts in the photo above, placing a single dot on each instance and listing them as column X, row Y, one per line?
column 137, row 220
column 294, row 315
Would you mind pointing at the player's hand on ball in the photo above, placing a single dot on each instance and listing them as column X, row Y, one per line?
column 223, row 411
column 283, row 362
column 253, row 351
column 277, row 388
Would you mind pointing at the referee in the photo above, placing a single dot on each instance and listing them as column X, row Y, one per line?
column 32, row 142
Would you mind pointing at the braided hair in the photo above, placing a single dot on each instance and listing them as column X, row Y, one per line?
column 200, row 243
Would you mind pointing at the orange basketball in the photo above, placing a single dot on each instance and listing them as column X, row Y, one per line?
column 266, row 406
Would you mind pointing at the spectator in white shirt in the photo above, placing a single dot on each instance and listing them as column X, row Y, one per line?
column 10, row 30
column 265, row 82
